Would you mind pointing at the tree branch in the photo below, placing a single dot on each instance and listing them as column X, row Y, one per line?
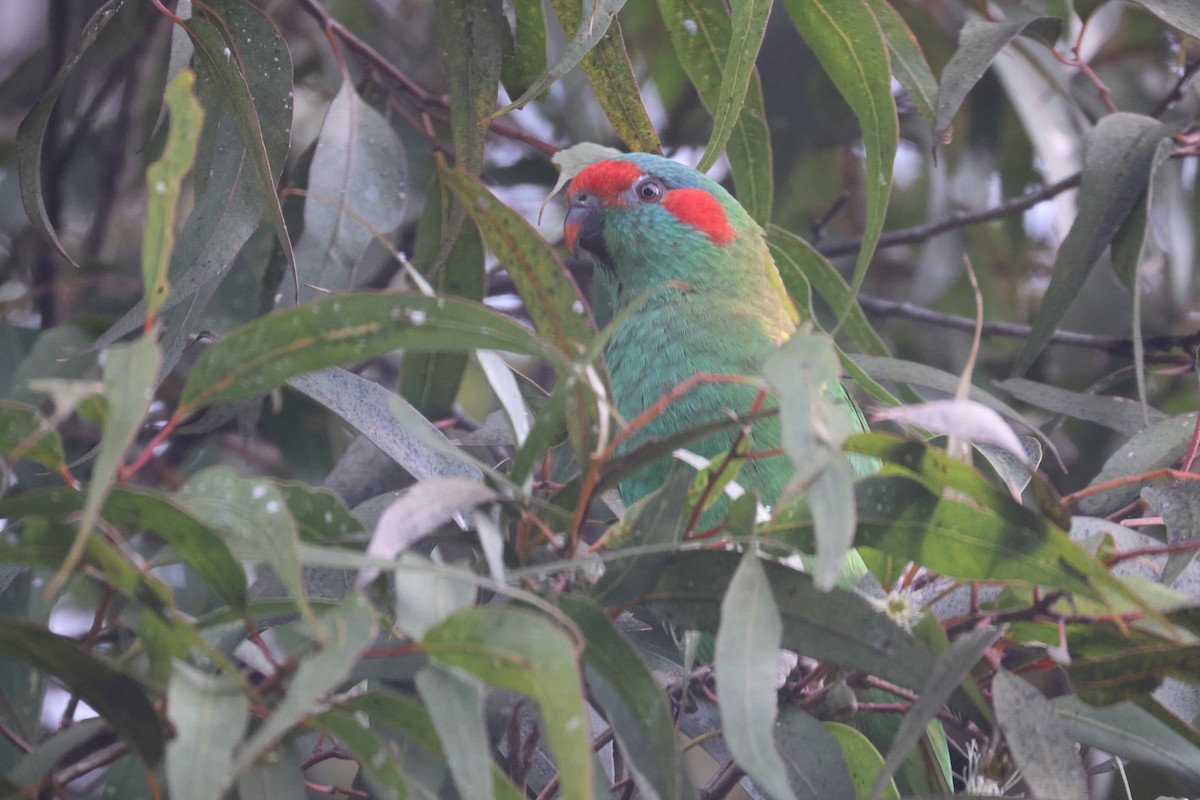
column 963, row 219
column 1115, row 345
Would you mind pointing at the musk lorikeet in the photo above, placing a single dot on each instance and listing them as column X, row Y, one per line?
column 709, row 300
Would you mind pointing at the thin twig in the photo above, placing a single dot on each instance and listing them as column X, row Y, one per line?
column 921, row 233
column 1115, row 345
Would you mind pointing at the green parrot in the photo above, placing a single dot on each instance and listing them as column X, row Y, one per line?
column 709, row 299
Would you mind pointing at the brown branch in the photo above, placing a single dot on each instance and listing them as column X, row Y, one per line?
column 1116, row 345
column 963, row 219
column 723, row 782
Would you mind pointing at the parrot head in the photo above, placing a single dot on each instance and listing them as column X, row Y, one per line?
column 641, row 213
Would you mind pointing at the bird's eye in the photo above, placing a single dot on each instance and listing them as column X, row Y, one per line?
column 649, row 189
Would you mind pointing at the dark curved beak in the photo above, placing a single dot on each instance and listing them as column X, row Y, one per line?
column 584, row 226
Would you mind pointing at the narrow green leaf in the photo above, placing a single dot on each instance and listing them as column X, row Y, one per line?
column 1037, row 739
column 633, row 702
column 700, row 32
column 211, row 714
column 114, row 695
column 837, row 626
column 425, row 597
column 452, row 259
column 31, row 135
column 38, row 763
column 1178, row 503
column 908, row 60
column 410, row 717
column 524, row 47
column 657, row 519
column 1161, row 445
column 164, row 181
column 345, row 631
column 1120, row 153
column 951, row 669
column 24, row 433
column 376, row 755
column 456, row 702
column 129, row 374
column 747, row 649
column 979, row 42
column 612, row 78
column 591, row 30
column 901, row 516
column 235, row 44
column 259, row 356
column 253, row 517
column 1128, row 731
column 470, row 32
column 547, row 289
column 862, row 759
column 792, row 252
column 847, row 40
column 524, row 652
column 1118, row 413
column 388, row 421
column 816, row 766
column 748, row 28
column 356, row 190
column 140, row 508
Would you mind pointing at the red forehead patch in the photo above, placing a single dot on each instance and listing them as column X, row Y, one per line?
column 605, row 179
column 702, row 211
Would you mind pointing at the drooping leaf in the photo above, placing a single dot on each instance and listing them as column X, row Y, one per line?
column 253, row 518
column 907, row 59
column 234, row 44
column 748, row 640
column 344, row 632
column 979, row 42
column 837, row 626
column 31, row 135
column 1128, row 731
column 749, row 25
column 211, row 714
column 164, row 179
column 391, row 424
column 612, row 78
column 263, row 354
column 1178, row 13
column 114, row 694
column 456, row 702
column 700, row 32
column 140, row 508
column 847, row 40
column 1037, row 739
column 1161, row 445
column 524, row 652
column 591, row 30
column 470, row 32
column 1119, row 413
column 129, row 373
column 356, row 190
column 419, row 511
column 24, row 433
column 1120, row 153
column 633, row 702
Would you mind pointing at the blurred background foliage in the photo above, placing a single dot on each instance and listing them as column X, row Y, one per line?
column 335, row 190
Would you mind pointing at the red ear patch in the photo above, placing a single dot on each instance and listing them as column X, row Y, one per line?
column 605, row 179
column 702, row 211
